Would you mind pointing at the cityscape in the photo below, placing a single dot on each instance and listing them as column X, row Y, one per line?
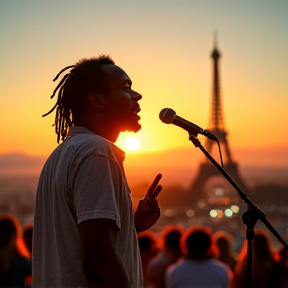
column 210, row 200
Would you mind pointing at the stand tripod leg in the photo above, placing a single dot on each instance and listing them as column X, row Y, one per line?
column 250, row 238
column 249, row 219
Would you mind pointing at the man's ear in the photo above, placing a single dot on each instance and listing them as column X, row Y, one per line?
column 96, row 101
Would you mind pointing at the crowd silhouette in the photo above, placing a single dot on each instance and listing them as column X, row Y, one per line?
column 176, row 258
column 15, row 261
column 267, row 270
column 225, row 253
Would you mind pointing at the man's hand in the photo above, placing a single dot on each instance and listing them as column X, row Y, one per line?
column 148, row 211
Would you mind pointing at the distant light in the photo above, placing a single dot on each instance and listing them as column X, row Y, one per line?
column 168, row 213
column 235, row 208
column 132, row 143
column 201, row 203
column 220, row 214
column 219, row 192
column 213, row 213
column 228, row 213
column 190, row 213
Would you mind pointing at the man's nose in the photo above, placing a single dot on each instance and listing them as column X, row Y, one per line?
column 135, row 95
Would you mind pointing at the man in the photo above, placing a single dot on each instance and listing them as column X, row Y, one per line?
column 148, row 247
column 171, row 253
column 198, row 268
column 85, row 232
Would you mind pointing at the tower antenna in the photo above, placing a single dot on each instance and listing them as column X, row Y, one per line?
column 215, row 36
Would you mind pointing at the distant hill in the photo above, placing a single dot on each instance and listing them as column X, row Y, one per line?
column 178, row 166
column 20, row 164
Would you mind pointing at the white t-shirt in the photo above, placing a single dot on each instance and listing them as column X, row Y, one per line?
column 208, row 273
column 82, row 179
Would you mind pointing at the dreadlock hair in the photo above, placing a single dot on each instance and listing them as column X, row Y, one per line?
column 85, row 76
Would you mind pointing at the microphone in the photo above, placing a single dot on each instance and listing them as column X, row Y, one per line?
column 168, row 116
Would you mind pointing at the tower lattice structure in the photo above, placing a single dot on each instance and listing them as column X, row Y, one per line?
column 206, row 169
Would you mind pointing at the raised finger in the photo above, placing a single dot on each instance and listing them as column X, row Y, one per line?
column 153, row 186
column 157, row 191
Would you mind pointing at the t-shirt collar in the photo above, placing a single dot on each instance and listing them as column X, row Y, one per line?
column 119, row 154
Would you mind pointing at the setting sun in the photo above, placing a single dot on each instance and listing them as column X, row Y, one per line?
column 132, row 143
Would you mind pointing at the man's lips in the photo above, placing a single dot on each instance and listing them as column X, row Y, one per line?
column 137, row 110
column 136, row 115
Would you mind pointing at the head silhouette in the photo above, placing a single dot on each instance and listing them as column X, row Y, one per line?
column 9, row 230
column 10, row 241
column 170, row 240
column 85, row 76
column 196, row 243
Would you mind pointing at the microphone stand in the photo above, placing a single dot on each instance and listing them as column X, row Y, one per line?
column 249, row 218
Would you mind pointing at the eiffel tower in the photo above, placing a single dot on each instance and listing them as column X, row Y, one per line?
column 220, row 192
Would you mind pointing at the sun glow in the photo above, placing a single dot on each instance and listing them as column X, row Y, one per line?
column 132, row 143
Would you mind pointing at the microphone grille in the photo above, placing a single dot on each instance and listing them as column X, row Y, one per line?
column 167, row 115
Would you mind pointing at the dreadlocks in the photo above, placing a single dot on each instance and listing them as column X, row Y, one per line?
column 84, row 77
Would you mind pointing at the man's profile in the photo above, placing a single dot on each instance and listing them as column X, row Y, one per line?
column 85, row 230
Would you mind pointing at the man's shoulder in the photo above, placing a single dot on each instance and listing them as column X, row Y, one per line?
column 176, row 267
column 219, row 266
column 80, row 136
column 82, row 144
column 83, row 139
column 78, row 147
column 85, row 144
column 218, row 263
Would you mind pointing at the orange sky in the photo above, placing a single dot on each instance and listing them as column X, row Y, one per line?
column 165, row 49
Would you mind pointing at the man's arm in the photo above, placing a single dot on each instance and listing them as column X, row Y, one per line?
column 101, row 263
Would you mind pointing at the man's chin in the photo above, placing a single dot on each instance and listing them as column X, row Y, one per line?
column 135, row 128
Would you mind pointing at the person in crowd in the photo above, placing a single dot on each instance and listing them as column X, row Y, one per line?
column 85, row 229
column 148, row 250
column 223, row 241
column 169, row 243
column 266, row 271
column 283, row 262
column 199, row 268
column 15, row 264
column 28, row 236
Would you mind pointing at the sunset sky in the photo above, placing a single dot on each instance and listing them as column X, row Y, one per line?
column 165, row 47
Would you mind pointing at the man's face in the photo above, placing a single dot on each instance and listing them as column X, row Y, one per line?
column 122, row 106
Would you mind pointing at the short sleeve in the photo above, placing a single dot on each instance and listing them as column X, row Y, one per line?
column 96, row 188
